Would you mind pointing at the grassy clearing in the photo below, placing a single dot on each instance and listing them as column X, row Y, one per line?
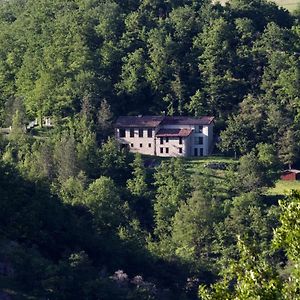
column 282, row 187
column 194, row 164
column 41, row 132
column 291, row 5
column 211, row 159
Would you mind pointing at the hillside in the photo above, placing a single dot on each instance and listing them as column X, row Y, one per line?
column 84, row 218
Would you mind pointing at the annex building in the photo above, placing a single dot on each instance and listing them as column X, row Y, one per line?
column 166, row 136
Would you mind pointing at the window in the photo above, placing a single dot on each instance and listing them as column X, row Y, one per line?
column 167, row 140
column 161, row 150
column 141, row 145
column 149, row 133
column 199, row 129
column 131, row 132
column 199, row 140
column 131, row 145
column 180, row 140
column 141, row 132
column 201, row 151
column 180, row 150
column 122, row 133
column 167, row 150
column 161, row 141
column 149, row 145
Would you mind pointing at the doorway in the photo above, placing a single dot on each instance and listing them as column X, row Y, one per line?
column 195, row 151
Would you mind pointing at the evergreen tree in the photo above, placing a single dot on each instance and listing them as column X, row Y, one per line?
column 104, row 119
column 65, row 157
column 288, row 149
column 193, row 227
column 137, row 185
column 17, row 132
column 173, row 188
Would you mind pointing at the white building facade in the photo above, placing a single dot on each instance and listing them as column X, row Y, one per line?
column 166, row 136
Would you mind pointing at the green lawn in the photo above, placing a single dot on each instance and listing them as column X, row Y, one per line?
column 282, row 187
column 206, row 159
column 193, row 164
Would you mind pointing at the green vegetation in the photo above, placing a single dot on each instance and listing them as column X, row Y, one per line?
column 81, row 218
column 194, row 164
column 283, row 187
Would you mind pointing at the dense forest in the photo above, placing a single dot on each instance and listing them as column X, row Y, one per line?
column 81, row 218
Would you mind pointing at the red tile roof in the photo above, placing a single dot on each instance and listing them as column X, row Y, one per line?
column 174, row 132
column 154, row 121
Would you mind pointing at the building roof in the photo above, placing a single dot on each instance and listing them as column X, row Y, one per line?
column 187, row 120
column 292, row 171
column 174, row 132
column 139, row 121
column 154, row 121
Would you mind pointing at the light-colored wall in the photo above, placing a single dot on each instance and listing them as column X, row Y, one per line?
column 173, row 146
column 194, row 136
column 188, row 145
column 210, row 137
column 136, row 141
column 207, row 134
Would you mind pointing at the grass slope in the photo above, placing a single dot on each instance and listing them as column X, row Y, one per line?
column 195, row 165
column 288, row 4
column 291, row 5
column 282, row 187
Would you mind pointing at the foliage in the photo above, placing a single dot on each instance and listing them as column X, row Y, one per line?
column 138, row 56
column 255, row 171
column 172, row 189
column 286, row 236
column 104, row 119
column 192, row 231
column 138, row 186
column 253, row 276
column 114, row 161
column 65, row 157
column 78, row 213
column 103, row 200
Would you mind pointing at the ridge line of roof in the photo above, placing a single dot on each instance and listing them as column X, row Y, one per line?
column 157, row 120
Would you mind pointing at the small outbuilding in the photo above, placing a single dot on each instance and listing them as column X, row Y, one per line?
column 291, row 174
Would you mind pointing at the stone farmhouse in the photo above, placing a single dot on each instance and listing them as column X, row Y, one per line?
column 166, row 136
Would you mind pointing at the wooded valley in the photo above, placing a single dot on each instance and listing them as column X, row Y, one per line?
column 81, row 218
